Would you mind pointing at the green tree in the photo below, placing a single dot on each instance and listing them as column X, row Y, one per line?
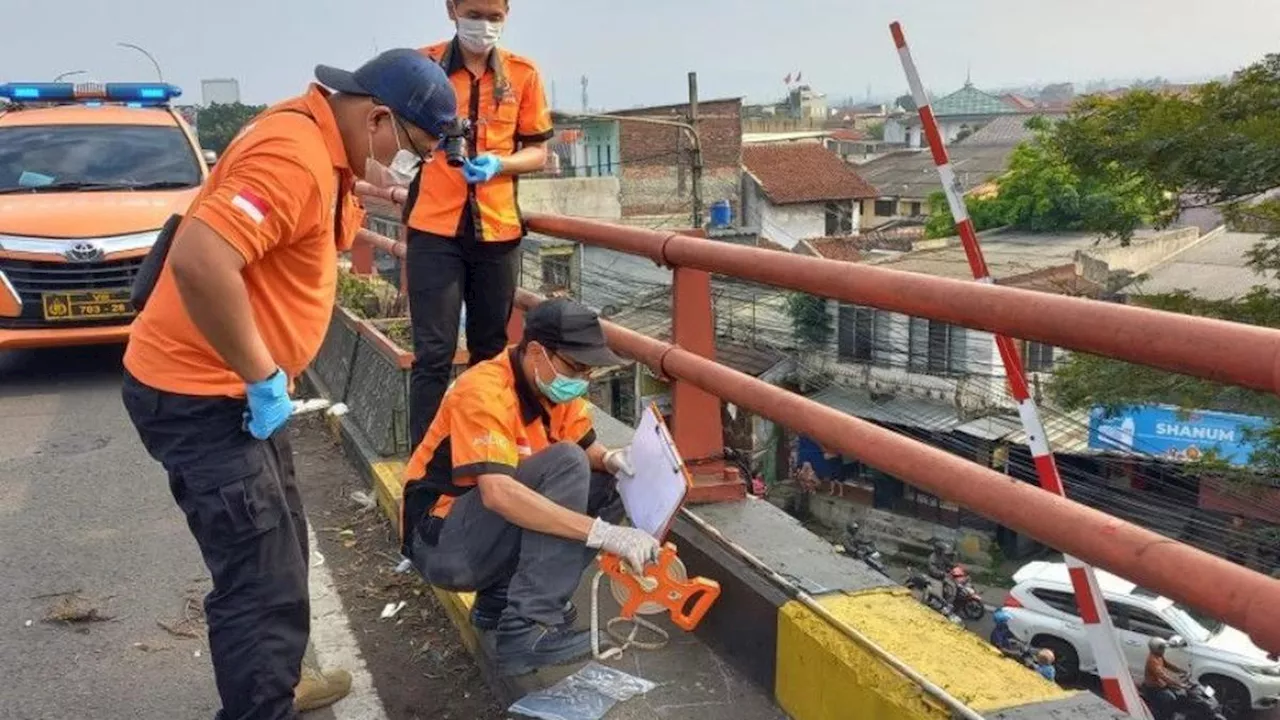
column 906, row 102
column 219, row 123
column 1043, row 192
column 1217, row 146
column 810, row 320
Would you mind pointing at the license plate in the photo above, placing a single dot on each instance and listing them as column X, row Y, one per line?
column 87, row 305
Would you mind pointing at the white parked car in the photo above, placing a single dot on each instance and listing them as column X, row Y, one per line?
column 1042, row 609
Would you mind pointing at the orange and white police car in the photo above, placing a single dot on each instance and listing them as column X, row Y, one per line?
column 88, row 176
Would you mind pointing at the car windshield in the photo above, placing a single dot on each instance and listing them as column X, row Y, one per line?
column 67, row 158
column 1200, row 626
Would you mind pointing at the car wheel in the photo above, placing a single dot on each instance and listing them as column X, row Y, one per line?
column 1066, row 662
column 1232, row 695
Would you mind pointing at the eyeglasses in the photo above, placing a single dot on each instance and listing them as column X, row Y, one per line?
column 575, row 369
column 422, row 157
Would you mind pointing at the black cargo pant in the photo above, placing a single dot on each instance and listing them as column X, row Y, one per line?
column 243, row 507
column 442, row 273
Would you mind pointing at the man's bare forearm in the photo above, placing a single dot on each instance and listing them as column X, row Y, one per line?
column 530, row 158
column 207, row 272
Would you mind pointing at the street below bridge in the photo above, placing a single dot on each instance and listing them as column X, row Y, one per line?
column 102, row 583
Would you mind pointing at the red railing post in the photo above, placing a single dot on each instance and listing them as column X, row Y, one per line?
column 515, row 325
column 696, row 420
column 362, row 258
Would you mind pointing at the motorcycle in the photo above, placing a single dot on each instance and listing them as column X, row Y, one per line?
column 1194, row 702
column 918, row 581
column 863, row 549
column 963, row 596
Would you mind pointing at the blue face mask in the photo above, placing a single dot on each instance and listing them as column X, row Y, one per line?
column 563, row 389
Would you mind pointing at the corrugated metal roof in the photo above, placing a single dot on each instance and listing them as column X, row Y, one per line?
column 1008, row 253
column 992, row 427
column 911, row 174
column 897, row 410
column 1216, row 269
column 1005, row 131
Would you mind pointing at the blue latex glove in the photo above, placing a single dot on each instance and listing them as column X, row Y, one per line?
column 482, row 169
column 269, row 405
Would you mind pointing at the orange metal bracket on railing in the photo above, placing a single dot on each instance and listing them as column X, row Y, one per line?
column 1238, row 596
column 1216, row 350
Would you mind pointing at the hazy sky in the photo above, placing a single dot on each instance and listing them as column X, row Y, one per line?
column 639, row 51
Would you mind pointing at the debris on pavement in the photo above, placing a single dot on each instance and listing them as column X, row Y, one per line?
column 75, row 609
column 392, row 609
column 364, row 499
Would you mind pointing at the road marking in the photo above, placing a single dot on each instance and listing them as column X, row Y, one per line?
column 335, row 645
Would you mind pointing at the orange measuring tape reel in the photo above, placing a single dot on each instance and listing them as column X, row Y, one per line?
column 665, row 586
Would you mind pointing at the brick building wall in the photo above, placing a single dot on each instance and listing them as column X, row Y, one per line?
column 655, row 162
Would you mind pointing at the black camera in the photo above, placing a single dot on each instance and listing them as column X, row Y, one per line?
column 456, row 150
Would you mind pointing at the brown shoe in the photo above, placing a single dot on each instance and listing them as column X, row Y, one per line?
column 319, row 688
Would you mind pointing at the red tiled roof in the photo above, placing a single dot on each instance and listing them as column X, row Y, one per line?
column 843, row 249
column 803, row 173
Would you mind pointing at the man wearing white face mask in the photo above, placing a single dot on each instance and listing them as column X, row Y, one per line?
column 464, row 224
column 239, row 309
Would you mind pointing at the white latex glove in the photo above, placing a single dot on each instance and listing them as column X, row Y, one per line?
column 636, row 547
column 618, row 463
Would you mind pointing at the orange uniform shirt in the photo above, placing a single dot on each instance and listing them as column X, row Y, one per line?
column 507, row 106
column 488, row 423
column 273, row 196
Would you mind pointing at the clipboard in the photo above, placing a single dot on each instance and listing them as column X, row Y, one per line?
column 662, row 480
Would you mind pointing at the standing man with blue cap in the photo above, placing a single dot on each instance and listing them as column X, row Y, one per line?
column 239, row 309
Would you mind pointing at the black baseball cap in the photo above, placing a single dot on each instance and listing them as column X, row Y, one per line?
column 405, row 80
column 572, row 329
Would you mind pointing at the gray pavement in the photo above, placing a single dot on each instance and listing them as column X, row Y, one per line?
column 84, row 510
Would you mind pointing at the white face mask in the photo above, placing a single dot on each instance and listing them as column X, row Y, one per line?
column 479, row 36
column 404, row 166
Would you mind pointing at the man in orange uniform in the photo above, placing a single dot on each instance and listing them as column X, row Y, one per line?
column 465, row 227
column 239, row 310
column 510, row 494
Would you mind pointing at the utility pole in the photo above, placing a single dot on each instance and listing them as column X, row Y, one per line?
column 695, row 153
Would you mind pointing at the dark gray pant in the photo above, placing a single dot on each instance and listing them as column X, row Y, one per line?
column 476, row 549
column 442, row 273
column 243, row 507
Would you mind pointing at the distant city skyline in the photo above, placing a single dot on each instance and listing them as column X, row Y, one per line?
column 639, row 53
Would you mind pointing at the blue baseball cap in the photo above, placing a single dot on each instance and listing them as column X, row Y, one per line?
column 405, row 80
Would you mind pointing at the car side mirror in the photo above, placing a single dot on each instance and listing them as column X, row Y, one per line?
column 210, row 157
column 1177, row 641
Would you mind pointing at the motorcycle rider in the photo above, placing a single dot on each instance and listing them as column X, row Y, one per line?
column 1162, row 679
column 1001, row 636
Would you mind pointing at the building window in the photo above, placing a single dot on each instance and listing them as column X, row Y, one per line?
column 555, row 272
column 916, row 210
column 839, row 220
column 1038, row 356
column 885, row 208
column 856, row 335
column 935, row 347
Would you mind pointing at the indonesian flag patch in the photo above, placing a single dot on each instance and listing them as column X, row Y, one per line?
column 252, row 205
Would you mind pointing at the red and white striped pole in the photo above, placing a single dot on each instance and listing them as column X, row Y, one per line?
column 1117, row 682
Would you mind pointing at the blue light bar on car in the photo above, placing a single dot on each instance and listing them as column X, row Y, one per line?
column 133, row 94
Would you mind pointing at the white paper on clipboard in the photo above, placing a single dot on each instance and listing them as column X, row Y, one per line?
column 654, row 496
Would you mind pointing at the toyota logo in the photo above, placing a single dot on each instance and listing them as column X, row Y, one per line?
column 84, row 252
